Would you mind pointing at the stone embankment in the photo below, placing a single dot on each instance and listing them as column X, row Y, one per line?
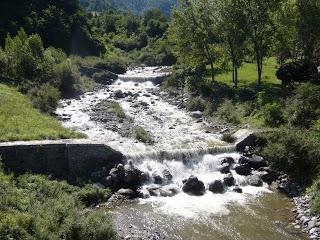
column 64, row 159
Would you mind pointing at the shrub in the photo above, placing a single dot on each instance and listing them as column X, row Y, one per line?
column 303, row 108
column 229, row 138
column 90, row 195
column 292, row 72
column 273, row 114
column 293, row 151
column 45, row 98
column 142, row 135
column 228, row 111
column 314, row 191
column 196, row 104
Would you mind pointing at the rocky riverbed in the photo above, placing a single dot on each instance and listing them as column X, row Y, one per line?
column 188, row 184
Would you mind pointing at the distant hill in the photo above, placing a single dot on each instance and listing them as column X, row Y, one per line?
column 136, row 6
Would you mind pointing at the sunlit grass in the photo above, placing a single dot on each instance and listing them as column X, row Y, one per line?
column 247, row 74
column 20, row 121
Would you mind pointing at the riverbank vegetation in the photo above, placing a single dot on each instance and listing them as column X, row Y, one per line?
column 35, row 207
column 255, row 63
column 20, row 121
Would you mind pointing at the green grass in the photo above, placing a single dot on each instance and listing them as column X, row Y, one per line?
column 35, row 207
column 248, row 75
column 19, row 120
column 117, row 109
column 142, row 135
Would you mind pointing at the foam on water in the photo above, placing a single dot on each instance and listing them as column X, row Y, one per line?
column 206, row 169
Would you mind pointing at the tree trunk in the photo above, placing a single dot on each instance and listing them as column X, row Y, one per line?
column 236, row 77
column 233, row 72
column 259, row 65
column 212, row 71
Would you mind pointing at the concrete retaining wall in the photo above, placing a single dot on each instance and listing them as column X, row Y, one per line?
column 61, row 159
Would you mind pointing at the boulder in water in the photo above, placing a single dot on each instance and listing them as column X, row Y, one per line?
column 128, row 193
column 228, row 160
column 194, row 186
column 243, row 160
column 157, row 179
column 225, row 168
column 216, row 187
column 196, row 114
column 254, row 180
column 256, row 162
column 243, row 170
column 119, row 94
column 237, row 189
column 167, row 175
column 229, row 180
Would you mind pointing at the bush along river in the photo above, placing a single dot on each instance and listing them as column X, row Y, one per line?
column 180, row 180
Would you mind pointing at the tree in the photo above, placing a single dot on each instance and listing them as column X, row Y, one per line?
column 308, row 27
column 232, row 25
column 193, row 30
column 261, row 27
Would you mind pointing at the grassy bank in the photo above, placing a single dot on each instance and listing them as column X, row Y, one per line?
column 35, row 207
column 19, row 120
column 247, row 74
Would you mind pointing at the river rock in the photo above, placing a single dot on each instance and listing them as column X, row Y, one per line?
column 237, row 189
column 117, row 177
column 119, row 94
column 228, row 160
column 225, row 168
column 229, row 180
column 193, row 186
column 167, row 175
column 196, row 114
column 267, row 177
column 257, row 162
column 128, row 193
column 243, row 170
column 132, row 178
column 243, row 160
column 254, row 180
column 157, row 179
column 216, row 187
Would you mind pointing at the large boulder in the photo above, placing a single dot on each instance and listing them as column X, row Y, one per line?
column 256, row 162
column 243, row 160
column 229, row 180
column 194, row 186
column 267, row 177
column 117, row 177
column 167, row 175
column 244, row 138
column 157, row 179
column 225, row 168
column 216, row 187
column 119, row 94
column 243, row 170
column 132, row 178
column 196, row 114
column 254, row 180
column 228, row 160
column 128, row 193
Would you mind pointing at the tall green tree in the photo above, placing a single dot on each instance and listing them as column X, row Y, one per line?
column 233, row 28
column 193, row 30
column 261, row 27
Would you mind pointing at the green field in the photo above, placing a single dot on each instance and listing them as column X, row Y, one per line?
column 248, row 75
column 20, row 121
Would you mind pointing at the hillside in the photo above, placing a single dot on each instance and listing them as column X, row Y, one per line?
column 136, row 6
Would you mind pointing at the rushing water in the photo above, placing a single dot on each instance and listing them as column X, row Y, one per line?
column 184, row 146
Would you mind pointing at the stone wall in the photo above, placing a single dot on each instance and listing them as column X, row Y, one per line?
column 61, row 159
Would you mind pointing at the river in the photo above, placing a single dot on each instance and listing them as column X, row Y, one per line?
column 185, row 146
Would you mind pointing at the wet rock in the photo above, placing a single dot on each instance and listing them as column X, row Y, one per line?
column 132, row 178
column 107, row 182
column 119, row 94
column 196, row 114
column 128, row 193
column 157, row 179
column 194, row 186
column 228, row 160
column 237, row 189
column 243, row 160
column 216, row 187
column 254, row 180
column 267, row 177
column 154, row 191
column 243, row 170
column 144, row 104
column 225, row 168
column 117, row 177
column 167, row 175
column 229, row 180
column 257, row 162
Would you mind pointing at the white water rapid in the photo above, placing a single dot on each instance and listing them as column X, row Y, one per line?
column 184, row 145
